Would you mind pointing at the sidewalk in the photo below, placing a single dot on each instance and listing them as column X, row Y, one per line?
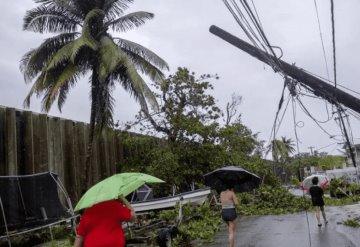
column 294, row 230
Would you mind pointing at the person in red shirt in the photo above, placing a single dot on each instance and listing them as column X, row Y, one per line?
column 100, row 225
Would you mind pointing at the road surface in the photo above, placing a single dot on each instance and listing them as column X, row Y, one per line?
column 293, row 230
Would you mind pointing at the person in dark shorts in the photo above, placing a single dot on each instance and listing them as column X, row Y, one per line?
column 228, row 212
column 317, row 199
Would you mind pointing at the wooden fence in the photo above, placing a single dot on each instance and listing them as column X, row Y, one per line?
column 32, row 143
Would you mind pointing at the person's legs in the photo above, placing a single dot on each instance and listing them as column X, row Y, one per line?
column 231, row 233
column 318, row 215
column 323, row 214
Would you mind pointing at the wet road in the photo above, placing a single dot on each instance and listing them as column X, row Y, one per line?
column 291, row 230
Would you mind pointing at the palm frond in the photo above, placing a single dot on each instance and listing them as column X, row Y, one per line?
column 35, row 60
column 49, row 19
column 66, row 86
column 155, row 74
column 115, row 8
column 36, row 88
column 129, row 87
column 69, row 73
column 138, row 84
column 70, row 7
column 109, row 57
column 61, row 56
column 44, row 1
column 143, row 52
column 80, row 43
column 71, row 50
column 130, row 21
column 50, row 84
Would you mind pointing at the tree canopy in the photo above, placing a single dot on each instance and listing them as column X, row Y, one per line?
column 195, row 141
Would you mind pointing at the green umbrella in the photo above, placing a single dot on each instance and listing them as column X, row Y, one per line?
column 121, row 184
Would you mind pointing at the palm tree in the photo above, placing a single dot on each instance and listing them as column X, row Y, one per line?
column 288, row 147
column 281, row 150
column 83, row 46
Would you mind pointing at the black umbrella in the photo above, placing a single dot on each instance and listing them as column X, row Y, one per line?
column 241, row 179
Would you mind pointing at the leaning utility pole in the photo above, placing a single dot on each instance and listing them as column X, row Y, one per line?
column 319, row 87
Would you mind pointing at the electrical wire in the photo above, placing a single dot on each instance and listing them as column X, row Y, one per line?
column 260, row 29
column 273, row 130
column 282, row 117
column 333, row 38
column 322, row 40
column 308, row 113
column 326, row 146
column 238, row 15
column 298, row 151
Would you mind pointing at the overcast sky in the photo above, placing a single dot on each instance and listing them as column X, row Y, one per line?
column 179, row 33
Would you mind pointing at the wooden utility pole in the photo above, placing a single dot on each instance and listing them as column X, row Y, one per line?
column 319, row 87
column 352, row 156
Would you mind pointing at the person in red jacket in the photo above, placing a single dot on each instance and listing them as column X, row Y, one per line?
column 100, row 225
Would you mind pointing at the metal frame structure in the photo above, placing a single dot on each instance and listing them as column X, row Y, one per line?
column 70, row 210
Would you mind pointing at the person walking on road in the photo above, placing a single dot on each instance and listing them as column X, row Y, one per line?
column 229, row 201
column 317, row 199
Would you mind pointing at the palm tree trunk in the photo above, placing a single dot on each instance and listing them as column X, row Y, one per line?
column 88, row 163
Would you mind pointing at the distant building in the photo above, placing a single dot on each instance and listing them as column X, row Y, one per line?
column 350, row 173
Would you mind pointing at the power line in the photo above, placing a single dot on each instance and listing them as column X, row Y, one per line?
column 238, row 14
column 298, row 154
column 326, row 146
column 282, row 117
column 322, row 40
column 308, row 113
column 273, row 131
column 333, row 37
column 323, row 49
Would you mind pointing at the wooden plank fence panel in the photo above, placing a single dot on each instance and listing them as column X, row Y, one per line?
column 56, row 163
column 76, row 154
column 80, row 132
column 51, row 144
column 29, row 161
column 44, row 159
column 33, row 143
column 86, row 137
column 2, row 141
column 11, row 167
column 40, row 130
column 95, row 162
column 36, row 141
column 69, row 158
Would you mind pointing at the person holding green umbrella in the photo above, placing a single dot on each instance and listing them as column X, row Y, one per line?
column 100, row 225
column 106, row 208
